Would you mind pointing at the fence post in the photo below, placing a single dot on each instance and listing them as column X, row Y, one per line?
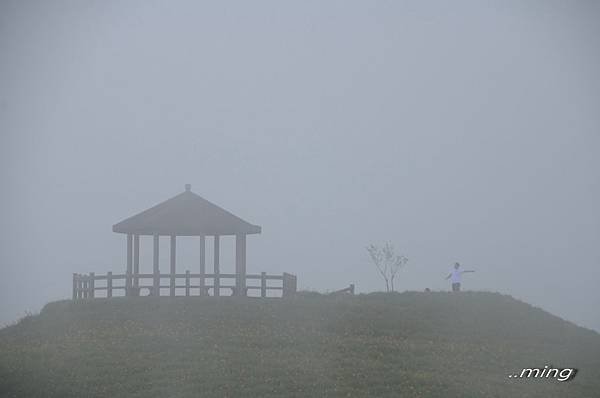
column 91, row 285
column 216, row 266
column 136, row 263
column 294, row 288
column 155, row 270
column 202, row 270
column 74, row 286
column 128, row 280
column 187, row 283
column 109, row 284
column 84, row 285
column 156, row 285
column 263, row 284
column 173, row 270
column 217, row 285
column 289, row 285
column 77, row 282
column 286, row 285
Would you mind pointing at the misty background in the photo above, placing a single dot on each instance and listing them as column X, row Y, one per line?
column 458, row 131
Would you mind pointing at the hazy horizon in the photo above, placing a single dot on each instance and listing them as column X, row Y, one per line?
column 457, row 131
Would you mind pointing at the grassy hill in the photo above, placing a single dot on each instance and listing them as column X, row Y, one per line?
column 376, row 345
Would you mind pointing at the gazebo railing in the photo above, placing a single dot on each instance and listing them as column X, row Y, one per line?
column 92, row 285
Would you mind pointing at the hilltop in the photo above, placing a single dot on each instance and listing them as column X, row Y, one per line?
column 378, row 345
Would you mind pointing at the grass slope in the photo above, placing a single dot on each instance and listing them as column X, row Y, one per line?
column 377, row 345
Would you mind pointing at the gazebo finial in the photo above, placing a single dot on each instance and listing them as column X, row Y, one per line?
column 188, row 187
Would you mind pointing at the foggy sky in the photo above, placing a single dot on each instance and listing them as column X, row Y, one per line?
column 458, row 131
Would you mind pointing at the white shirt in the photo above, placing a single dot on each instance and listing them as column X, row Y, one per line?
column 456, row 273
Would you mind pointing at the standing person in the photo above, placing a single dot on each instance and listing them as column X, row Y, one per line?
column 456, row 277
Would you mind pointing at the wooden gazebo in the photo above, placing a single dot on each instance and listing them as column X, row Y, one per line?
column 186, row 214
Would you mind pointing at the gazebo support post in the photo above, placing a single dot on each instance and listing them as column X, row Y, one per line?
column 129, row 265
column 173, row 259
column 136, row 261
column 202, row 265
column 155, row 270
column 240, row 264
column 217, row 271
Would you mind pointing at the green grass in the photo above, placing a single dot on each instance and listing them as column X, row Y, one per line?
column 377, row 345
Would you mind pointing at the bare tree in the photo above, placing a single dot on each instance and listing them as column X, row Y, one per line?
column 387, row 262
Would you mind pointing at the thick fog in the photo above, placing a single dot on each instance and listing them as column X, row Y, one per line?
column 459, row 132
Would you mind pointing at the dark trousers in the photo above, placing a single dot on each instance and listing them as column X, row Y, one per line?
column 456, row 287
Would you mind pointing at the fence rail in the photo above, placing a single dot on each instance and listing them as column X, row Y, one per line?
column 85, row 286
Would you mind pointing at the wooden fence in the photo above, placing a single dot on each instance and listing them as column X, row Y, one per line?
column 187, row 284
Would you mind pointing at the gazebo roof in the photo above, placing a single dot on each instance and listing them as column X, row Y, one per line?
column 186, row 214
